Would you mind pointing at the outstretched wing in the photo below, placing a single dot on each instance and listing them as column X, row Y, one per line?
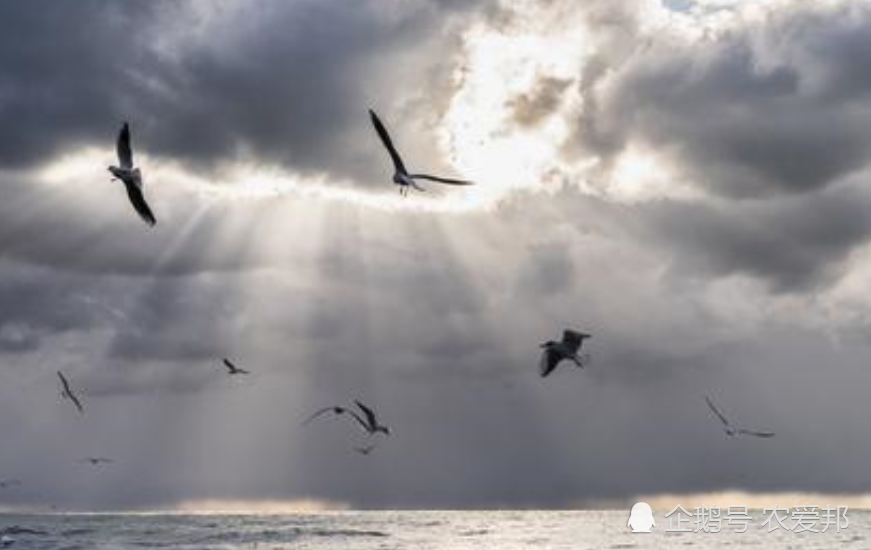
column 388, row 143
column 317, row 414
column 125, row 152
column 448, row 181
column 548, row 362
column 64, row 382
column 230, row 366
column 754, row 433
column 366, row 427
column 76, row 402
column 370, row 414
column 134, row 193
column 716, row 411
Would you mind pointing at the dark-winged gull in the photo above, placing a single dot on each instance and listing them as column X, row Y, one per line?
column 566, row 349
column 232, row 369
column 367, row 421
column 730, row 429
column 67, row 392
column 130, row 176
column 401, row 176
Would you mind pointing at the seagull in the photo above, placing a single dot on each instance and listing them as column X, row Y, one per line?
column 7, row 483
column 233, row 369
column 130, row 176
column 365, row 450
column 555, row 352
column 730, row 429
column 401, row 177
column 367, row 421
column 67, row 392
column 96, row 461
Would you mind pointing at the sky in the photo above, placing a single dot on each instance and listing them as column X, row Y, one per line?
column 686, row 180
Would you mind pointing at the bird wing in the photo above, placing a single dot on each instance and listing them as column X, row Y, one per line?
column 125, row 152
column 370, row 414
column 388, row 143
column 64, row 382
column 317, row 413
column 755, row 433
column 448, row 181
column 134, row 193
column 229, row 364
column 548, row 362
column 76, row 402
column 716, row 411
column 366, row 427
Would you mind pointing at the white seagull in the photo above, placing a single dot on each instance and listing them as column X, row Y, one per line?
column 233, row 369
column 566, row 349
column 67, row 392
column 730, row 429
column 130, row 176
column 401, row 176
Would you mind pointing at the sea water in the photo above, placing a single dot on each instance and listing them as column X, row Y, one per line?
column 413, row 530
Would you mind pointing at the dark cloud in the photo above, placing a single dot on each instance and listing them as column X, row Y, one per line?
column 270, row 81
column 752, row 112
column 67, row 73
column 796, row 244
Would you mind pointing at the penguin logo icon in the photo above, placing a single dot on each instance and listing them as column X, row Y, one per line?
column 641, row 518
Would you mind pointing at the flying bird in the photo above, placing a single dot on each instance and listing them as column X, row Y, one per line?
column 365, row 450
column 96, row 461
column 7, row 483
column 130, row 176
column 367, row 421
column 67, row 392
column 233, row 369
column 730, row 429
column 566, row 349
column 401, row 176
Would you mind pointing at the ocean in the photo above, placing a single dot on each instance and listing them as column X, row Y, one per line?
column 412, row 530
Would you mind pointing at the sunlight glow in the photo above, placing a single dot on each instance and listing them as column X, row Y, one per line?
column 500, row 65
column 640, row 176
